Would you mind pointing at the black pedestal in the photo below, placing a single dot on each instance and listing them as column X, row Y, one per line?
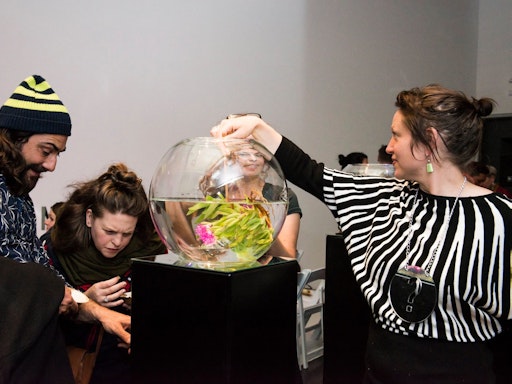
column 201, row 326
column 346, row 317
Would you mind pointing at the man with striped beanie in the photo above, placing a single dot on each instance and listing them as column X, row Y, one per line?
column 34, row 128
column 36, row 122
column 35, row 107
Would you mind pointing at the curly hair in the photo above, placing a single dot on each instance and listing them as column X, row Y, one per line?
column 118, row 190
column 457, row 119
column 12, row 162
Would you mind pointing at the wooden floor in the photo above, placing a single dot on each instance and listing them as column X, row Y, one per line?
column 315, row 372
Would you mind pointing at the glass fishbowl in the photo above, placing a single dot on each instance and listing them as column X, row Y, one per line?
column 218, row 203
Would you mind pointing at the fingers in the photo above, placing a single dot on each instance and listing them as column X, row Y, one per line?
column 111, row 301
column 125, row 346
column 112, row 295
column 218, row 131
column 236, row 126
column 127, row 339
column 119, row 324
column 116, row 289
column 108, row 283
column 108, row 293
column 249, row 126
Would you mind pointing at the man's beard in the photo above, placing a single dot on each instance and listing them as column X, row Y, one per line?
column 30, row 181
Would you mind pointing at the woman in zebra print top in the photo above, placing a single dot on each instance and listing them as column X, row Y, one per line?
column 430, row 250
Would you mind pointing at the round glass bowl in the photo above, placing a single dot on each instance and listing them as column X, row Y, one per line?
column 218, row 203
column 383, row 170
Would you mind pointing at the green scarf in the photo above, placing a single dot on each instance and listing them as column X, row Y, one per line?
column 88, row 266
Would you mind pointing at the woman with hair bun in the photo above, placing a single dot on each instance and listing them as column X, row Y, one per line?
column 100, row 228
column 429, row 249
column 352, row 158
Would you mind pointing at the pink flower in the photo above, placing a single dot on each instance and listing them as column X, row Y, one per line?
column 205, row 234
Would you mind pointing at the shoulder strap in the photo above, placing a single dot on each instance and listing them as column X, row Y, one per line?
column 100, row 338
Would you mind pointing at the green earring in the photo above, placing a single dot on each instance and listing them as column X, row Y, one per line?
column 430, row 167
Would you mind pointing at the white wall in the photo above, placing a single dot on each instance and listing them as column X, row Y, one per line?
column 494, row 69
column 138, row 77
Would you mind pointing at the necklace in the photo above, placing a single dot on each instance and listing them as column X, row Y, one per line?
column 413, row 292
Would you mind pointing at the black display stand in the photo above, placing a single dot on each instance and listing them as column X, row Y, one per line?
column 346, row 318
column 194, row 325
column 496, row 148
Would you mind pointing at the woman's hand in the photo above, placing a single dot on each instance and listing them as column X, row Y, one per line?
column 108, row 293
column 248, row 126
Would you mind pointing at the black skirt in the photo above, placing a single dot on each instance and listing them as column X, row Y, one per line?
column 396, row 359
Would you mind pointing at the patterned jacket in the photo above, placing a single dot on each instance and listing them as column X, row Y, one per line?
column 18, row 236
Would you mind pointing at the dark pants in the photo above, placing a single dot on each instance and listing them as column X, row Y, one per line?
column 398, row 359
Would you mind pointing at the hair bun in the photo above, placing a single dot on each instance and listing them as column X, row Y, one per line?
column 484, row 106
column 120, row 175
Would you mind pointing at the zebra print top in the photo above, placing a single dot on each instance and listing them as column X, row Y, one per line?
column 471, row 268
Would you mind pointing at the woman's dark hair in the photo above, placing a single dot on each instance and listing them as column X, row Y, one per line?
column 351, row 158
column 56, row 207
column 12, row 162
column 457, row 119
column 116, row 191
column 475, row 168
column 384, row 157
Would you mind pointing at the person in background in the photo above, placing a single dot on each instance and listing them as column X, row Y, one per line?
column 352, row 158
column 429, row 249
column 103, row 225
column 383, row 156
column 477, row 172
column 493, row 185
column 52, row 215
column 253, row 163
column 254, row 187
column 34, row 128
column 50, row 220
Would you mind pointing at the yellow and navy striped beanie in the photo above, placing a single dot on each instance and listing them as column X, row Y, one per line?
column 35, row 107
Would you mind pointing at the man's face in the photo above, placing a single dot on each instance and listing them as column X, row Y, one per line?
column 40, row 153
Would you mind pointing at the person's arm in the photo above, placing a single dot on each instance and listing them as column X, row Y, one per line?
column 68, row 306
column 297, row 166
column 114, row 322
column 286, row 243
column 249, row 126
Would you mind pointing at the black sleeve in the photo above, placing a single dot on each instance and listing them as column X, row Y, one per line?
column 300, row 169
column 31, row 342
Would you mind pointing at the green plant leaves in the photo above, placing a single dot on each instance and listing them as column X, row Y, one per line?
column 244, row 227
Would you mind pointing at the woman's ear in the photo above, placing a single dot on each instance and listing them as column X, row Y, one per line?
column 88, row 218
column 433, row 137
